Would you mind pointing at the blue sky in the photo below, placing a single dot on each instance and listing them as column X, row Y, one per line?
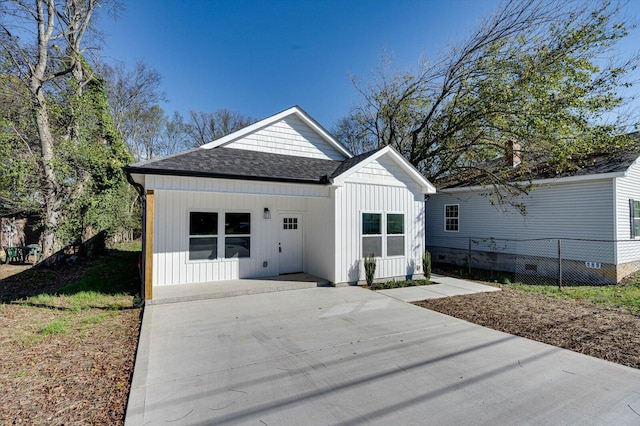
column 260, row 57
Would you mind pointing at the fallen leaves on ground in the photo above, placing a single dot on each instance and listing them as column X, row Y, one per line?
column 79, row 375
column 65, row 359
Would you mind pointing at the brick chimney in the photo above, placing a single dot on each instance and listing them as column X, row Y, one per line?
column 512, row 152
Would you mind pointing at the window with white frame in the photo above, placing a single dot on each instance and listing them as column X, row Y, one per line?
column 237, row 231
column 451, row 217
column 635, row 218
column 395, row 234
column 372, row 234
column 379, row 228
column 203, row 236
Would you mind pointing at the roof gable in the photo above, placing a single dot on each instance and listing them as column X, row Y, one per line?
column 291, row 132
column 377, row 163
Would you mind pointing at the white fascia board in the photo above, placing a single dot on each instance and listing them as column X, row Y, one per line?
column 427, row 187
column 274, row 119
column 550, row 181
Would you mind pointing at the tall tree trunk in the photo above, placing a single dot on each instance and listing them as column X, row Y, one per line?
column 50, row 186
column 59, row 22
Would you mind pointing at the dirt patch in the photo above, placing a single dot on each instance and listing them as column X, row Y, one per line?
column 606, row 333
column 64, row 359
column 77, row 374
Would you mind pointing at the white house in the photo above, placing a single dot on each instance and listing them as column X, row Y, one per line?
column 279, row 196
column 594, row 210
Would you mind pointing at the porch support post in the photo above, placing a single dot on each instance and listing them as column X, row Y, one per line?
column 148, row 253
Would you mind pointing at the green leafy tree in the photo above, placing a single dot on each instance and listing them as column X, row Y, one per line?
column 91, row 167
column 18, row 164
column 60, row 143
column 535, row 73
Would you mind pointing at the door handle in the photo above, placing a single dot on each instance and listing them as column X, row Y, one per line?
column 279, row 248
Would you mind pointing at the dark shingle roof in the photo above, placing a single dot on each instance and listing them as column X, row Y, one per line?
column 231, row 163
column 599, row 163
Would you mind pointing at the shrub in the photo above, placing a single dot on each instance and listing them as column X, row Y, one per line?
column 397, row 284
column 426, row 265
column 369, row 268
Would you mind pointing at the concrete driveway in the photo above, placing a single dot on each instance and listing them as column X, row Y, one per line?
column 351, row 356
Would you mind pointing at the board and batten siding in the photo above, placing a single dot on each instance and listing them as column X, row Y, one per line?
column 289, row 136
column 382, row 171
column 562, row 210
column 226, row 186
column 627, row 188
column 376, row 189
column 319, row 238
column 175, row 197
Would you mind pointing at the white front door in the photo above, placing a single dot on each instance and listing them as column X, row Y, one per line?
column 290, row 244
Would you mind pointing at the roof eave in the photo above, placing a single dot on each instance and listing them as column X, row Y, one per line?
column 548, row 181
column 188, row 173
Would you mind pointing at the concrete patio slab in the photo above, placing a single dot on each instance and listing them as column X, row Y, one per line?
column 351, row 356
column 456, row 282
column 231, row 288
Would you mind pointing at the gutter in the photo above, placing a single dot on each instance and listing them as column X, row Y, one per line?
column 143, row 198
column 187, row 173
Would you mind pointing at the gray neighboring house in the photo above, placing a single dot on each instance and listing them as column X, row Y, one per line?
column 594, row 210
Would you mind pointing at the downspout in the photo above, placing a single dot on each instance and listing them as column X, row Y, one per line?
column 426, row 198
column 140, row 190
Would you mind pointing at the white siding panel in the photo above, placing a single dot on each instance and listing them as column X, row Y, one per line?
column 381, row 171
column 352, row 200
column 627, row 188
column 171, row 242
column 228, row 186
column 318, row 240
column 289, row 136
column 569, row 210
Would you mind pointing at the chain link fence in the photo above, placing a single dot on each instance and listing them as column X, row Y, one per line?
column 552, row 261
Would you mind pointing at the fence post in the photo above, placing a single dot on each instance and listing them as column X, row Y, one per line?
column 559, row 264
column 469, row 260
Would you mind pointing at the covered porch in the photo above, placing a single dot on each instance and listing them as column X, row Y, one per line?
column 230, row 288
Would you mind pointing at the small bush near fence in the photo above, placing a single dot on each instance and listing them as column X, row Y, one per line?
column 542, row 261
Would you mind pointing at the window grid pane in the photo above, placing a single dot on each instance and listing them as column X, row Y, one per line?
column 237, row 223
column 395, row 245
column 202, row 223
column 371, row 223
column 451, row 213
column 395, row 223
column 237, row 247
column 203, row 248
column 635, row 218
column 372, row 245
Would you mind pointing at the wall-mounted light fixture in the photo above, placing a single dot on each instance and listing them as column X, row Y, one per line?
column 267, row 213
